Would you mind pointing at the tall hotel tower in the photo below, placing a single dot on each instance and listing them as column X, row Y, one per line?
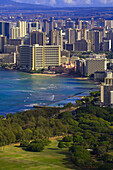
column 37, row 57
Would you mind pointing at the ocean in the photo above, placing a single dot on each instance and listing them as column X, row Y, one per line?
column 21, row 91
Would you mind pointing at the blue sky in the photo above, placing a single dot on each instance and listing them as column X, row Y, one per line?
column 70, row 2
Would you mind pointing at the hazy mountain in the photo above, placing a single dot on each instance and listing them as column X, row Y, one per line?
column 9, row 4
column 71, row 3
column 13, row 5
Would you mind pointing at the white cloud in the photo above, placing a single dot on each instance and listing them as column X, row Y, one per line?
column 29, row 1
column 88, row 2
column 111, row 1
column 104, row 1
column 70, row 2
column 36, row 2
column 52, row 2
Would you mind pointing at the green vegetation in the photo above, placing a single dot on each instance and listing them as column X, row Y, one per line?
column 36, row 145
column 80, row 156
column 37, row 71
column 13, row 157
column 86, row 130
column 6, row 66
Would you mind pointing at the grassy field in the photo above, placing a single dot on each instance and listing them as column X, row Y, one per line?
column 52, row 158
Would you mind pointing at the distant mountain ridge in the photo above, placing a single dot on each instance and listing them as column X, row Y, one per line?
column 13, row 5
column 70, row 3
column 9, row 4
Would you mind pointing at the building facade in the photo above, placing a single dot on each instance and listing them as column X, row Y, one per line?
column 94, row 64
column 37, row 57
column 107, row 92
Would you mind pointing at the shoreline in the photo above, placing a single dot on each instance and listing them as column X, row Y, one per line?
column 41, row 74
column 65, row 75
column 72, row 96
column 62, row 76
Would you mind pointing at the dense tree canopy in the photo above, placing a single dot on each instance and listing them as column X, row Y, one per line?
column 88, row 131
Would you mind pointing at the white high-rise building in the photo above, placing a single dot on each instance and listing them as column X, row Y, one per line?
column 109, row 24
column 22, row 27
column 14, row 32
column 34, row 26
column 107, row 91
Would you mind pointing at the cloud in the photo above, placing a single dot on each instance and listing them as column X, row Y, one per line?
column 52, row 2
column 70, row 2
column 88, row 2
column 104, row 1
column 29, row 1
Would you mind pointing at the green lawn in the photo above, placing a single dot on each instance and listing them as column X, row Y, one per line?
column 52, row 158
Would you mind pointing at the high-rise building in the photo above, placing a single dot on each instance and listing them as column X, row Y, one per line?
column 22, row 27
column 83, row 34
column 96, row 41
column 95, row 64
column 10, row 49
column 36, row 57
column 82, row 45
column 77, row 23
column 5, row 28
column 96, row 38
column 71, row 35
column 60, row 23
column 55, row 38
column 69, row 23
column 106, row 45
column 69, row 47
column 85, row 25
column 14, row 32
column 100, row 22
column 33, row 26
column 37, row 37
column 79, row 34
column 16, row 42
column 107, row 92
column 109, row 24
column 46, row 26
column 92, row 22
column 51, row 24
column 3, row 41
column 25, row 56
column 109, row 36
column 80, row 24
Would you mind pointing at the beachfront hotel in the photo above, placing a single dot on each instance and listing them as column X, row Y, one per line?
column 37, row 57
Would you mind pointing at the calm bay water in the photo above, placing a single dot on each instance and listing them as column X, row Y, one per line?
column 20, row 91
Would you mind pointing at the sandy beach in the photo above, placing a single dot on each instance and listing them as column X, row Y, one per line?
column 53, row 75
column 67, row 76
column 82, row 78
column 59, row 75
column 39, row 74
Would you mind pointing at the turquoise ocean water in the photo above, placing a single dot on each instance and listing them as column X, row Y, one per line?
column 20, row 91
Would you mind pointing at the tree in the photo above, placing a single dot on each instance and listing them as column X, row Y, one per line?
column 77, row 139
column 61, row 144
column 80, row 156
column 68, row 139
column 107, row 158
column 24, row 143
column 35, row 147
